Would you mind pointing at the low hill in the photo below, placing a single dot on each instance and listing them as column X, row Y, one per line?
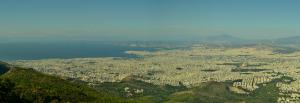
column 20, row 85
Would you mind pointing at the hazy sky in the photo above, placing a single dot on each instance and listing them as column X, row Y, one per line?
column 146, row 19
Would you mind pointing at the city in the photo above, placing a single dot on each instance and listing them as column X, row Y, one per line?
column 249, row 68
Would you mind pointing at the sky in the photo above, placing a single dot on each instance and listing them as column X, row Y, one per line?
column 50, row 20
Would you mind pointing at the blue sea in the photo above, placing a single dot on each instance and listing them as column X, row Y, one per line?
column 64, row 50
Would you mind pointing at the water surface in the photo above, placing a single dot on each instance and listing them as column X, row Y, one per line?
column 33, row 51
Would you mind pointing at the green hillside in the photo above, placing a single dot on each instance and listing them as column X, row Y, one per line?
column 27, row 85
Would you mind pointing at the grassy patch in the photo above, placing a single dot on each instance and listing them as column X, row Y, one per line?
column 151, row 93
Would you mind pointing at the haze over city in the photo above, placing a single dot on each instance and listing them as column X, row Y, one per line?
column 47, row 20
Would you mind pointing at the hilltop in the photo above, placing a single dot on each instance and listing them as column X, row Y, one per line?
column 22, row 85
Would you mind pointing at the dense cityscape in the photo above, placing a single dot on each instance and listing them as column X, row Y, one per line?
column 249, row 68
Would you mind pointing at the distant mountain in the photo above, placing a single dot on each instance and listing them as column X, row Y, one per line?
column 288, row 40
column 224, row 39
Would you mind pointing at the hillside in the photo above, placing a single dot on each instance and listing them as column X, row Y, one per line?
column 20, row 85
